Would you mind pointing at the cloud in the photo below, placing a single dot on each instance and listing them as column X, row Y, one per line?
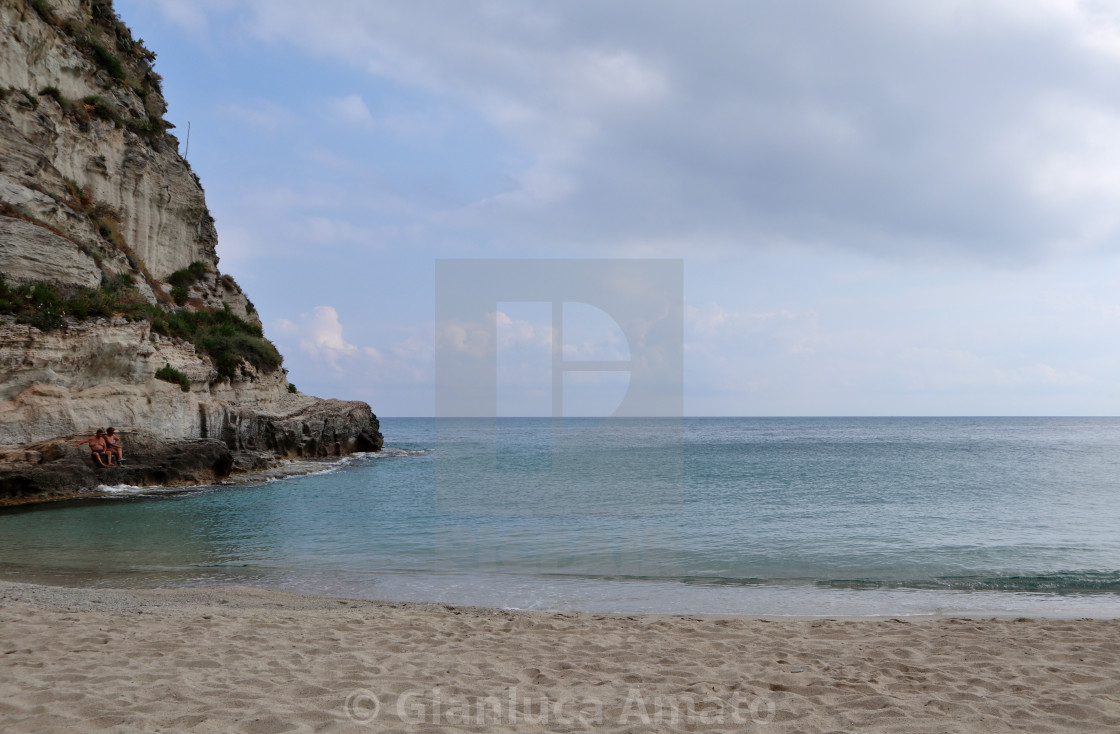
column 396, row 380
column 319, row 335
column 982, row 131
column 497, row 331
column 513, row 333
column 885, row 207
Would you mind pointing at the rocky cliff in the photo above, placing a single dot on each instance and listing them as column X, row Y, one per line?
column 112, row 307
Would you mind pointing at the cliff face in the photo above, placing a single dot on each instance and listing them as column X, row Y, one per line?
column 132, row 169
column 109, row 264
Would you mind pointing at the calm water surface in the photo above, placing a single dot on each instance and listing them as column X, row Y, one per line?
column 746, row 515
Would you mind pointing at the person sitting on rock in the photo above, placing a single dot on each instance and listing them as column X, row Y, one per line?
column 113, row 445
column 98, row 446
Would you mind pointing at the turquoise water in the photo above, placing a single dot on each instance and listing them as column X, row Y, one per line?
column 747, row 515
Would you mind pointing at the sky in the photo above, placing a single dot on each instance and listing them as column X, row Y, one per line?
column 880, row 208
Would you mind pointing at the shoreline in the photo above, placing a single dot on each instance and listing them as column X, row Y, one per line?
column 246, row 659
column 778, row 602
column 47, row 595
column 284, row 469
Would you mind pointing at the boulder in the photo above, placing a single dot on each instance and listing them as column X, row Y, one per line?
column 322, row 428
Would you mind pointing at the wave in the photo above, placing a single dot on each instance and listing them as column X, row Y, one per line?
column 390, row 452
column 1062, row 582
column 330, row 466
column 125, row 488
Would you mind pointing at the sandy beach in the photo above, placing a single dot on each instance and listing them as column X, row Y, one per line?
column 247, row 660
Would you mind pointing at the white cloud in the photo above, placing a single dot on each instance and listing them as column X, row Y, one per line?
column 319, row 335
column 514, row 333
column 877, row 126
column 883, row 206
column 498, row 331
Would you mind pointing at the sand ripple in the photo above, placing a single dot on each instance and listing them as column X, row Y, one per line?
column 245, row 660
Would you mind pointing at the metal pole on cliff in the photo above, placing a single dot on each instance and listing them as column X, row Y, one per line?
column 187, row 149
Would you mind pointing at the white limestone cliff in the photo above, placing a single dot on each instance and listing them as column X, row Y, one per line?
column 93, row 192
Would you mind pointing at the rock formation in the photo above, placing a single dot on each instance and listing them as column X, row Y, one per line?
column 112, row 307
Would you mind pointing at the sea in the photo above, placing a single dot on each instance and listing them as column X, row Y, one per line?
column 746, row 516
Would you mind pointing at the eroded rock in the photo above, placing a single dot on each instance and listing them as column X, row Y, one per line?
column 94, row 192
column 57, row 469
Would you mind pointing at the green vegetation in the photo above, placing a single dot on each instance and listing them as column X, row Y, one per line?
column 43, row 8
column 292, row 388
column 102, row 108
column 42, row 305
column 48, row 307
column 96, row 107
column 102, row 12
column 180, row 280
column 104, row 217
column 220, row 334
column 108, row 223
column 80, row 194
column 188, row 275
column 38, row 304
column 93, row 49
column 225, row 337
column 106, row 59
column 105, row 41
column 167, row 373
column 153, row 80
column 53, row 93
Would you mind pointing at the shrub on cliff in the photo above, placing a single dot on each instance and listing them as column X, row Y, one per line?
column 44, row 10
column 94, row 50
column 224, row 336
column 102, row 108
column 108, row 43
column 37, row 304
column 221, row 335
column 167, row 373
column 107, row 60
column 188, row 275
column 45, row 307
column 54, row 94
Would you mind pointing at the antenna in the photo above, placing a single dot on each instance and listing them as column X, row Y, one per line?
column 187, row 150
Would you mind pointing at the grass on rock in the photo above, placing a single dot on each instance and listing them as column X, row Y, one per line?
column 220, row 334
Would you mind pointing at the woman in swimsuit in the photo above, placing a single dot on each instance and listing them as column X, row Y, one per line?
column 113, row 445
